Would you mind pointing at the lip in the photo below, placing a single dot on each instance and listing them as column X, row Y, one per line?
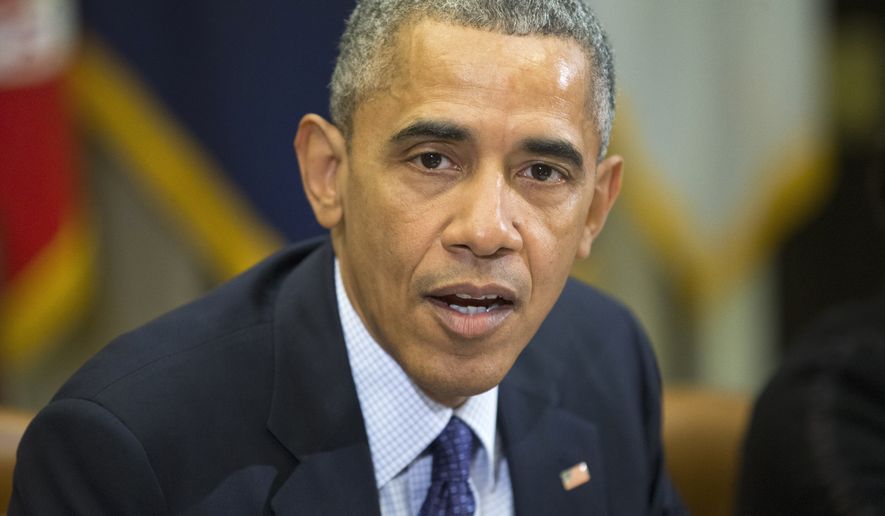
column 472, row 326
column 490, row 289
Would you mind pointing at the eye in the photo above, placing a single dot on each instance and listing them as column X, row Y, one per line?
column 544, row 173
column 432, row 161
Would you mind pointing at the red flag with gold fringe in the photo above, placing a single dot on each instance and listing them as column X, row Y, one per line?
column 45, row 243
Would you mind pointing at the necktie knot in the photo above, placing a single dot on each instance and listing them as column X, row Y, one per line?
column 452, row 452
column 449, row 491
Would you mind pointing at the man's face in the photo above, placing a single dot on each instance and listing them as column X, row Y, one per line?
column 465, row 197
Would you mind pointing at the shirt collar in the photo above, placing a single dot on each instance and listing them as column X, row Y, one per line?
column 401, row 421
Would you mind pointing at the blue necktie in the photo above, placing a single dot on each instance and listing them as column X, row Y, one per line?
column 449, row 492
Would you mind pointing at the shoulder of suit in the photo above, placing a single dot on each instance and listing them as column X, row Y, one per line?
column 582, row 305
column 587, row 330
column 237, row 313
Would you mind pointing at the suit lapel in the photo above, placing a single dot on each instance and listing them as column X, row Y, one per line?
column 330, row 482
column 314, row 411
column 542, row 440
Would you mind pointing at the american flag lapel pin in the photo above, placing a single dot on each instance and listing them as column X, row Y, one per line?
column 575, row 476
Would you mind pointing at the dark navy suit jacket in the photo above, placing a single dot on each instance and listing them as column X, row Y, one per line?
column 243, row 403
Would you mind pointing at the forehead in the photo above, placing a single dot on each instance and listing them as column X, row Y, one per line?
column 482, row 77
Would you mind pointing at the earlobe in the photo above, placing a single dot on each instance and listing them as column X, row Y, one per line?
column 322, row 158
column 607, row 186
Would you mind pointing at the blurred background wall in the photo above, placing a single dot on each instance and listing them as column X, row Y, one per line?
column 145, row 156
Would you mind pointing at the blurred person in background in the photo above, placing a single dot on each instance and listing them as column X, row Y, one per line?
column 816, row 443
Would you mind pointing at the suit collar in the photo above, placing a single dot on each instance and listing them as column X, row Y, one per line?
column 314, row 411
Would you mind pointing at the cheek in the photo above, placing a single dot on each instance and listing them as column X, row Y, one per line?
column 552, row 256
column 552, row 239
column 394, row 228
column 557, row 224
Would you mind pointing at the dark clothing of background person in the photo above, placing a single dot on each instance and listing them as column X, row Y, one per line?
column 816, row 444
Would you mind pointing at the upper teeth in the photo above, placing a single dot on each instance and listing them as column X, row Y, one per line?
column 467, row 296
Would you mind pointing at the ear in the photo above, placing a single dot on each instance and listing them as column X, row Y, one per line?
column 322, row 158
column 607, row 186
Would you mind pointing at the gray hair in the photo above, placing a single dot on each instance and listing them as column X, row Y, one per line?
column 365, row 51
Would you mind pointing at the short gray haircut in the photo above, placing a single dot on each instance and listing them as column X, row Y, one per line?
column 366, row 47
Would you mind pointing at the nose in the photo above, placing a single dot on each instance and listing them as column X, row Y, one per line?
column 483, row 221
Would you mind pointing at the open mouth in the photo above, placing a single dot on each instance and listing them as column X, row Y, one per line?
column 473, row 305
column 469, row 305
column 471, row 311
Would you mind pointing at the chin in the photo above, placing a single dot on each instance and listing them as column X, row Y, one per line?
column 450, row 385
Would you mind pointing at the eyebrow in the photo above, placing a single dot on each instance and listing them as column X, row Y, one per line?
column 450, row 131
column 435, row 129
column 554, row 147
